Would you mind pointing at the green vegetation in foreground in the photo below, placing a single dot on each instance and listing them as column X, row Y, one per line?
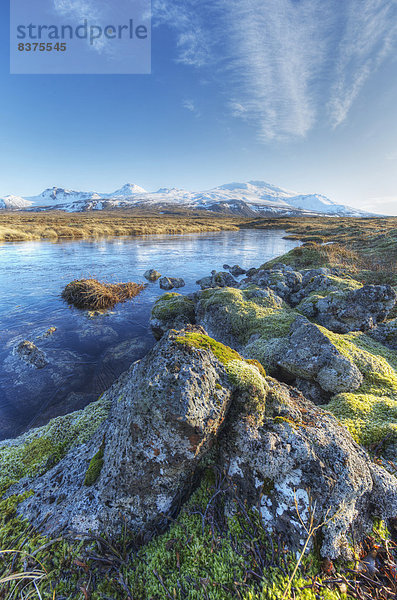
column 94, row 468
column 191, row 561
column 370, row 414
column 40, row 449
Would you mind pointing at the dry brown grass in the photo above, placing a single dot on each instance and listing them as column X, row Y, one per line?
column 24, row 226
column 94, row 295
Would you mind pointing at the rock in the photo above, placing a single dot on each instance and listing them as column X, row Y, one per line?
column 359, row 310
column 236, row 271
column 171, row 311
column 152, row 275
column 318, row 283
column 386, row 333
column 280, row 278
column 32, row 356
column 166, row 412
column 221, row 279
column 312, row 391
column 301, row 453
column 232, row 315
column 169, row 283
column 311, row 355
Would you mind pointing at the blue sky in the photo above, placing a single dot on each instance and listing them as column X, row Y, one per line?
column 299, row 93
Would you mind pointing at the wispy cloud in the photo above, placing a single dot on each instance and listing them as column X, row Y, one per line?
column 284, row 63
column 191, row 107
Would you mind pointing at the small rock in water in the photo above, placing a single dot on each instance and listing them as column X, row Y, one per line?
column 169, row 283
column 236, row 270
column 30, row 353
column 152, row 275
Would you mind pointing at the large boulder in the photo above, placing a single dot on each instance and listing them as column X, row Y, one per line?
column 233, row 316
column 358, row 310
column 309, row 354
column 166, row 412
column 298, row 459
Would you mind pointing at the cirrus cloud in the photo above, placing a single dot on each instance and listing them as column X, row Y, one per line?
column 286, row 64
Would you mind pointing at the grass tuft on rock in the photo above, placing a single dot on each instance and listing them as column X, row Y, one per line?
column 94, row 468
column 92, row 294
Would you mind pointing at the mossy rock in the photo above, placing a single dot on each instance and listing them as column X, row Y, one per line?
column 239, row 314
column 370, row 414
column 171, row 311
column 40, row 449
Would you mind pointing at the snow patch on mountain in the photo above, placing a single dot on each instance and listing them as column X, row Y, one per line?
column 13, row 202
column 253, row 198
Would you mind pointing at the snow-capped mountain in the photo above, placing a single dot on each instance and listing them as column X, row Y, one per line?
column 53, row 197
column 13, row 202
column 127, row 191
column 254, row 198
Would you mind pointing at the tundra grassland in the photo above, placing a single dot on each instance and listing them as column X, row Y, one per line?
column 57, row 225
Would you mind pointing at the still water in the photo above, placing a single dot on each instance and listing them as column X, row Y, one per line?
column 86, row 354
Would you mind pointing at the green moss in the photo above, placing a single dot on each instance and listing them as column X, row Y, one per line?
column 192, row 560
column 244, row 314
column 169, row 306
column 310, row 255
column 257, row 364
column 248, row 376
column 370, row 413
column 40, row 449
column 94, row 468
column 198, row 340
column 244, row 375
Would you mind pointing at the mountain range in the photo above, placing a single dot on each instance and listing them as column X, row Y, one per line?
column 252, row 199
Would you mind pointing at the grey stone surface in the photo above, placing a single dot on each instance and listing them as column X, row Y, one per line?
column 386, row 333
column 221, row 279
column 359, row 310
column 301, row 453
column 166, row 411
column 236, row 270
column 310, row 355
column 31, row 355
column 169, row 283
